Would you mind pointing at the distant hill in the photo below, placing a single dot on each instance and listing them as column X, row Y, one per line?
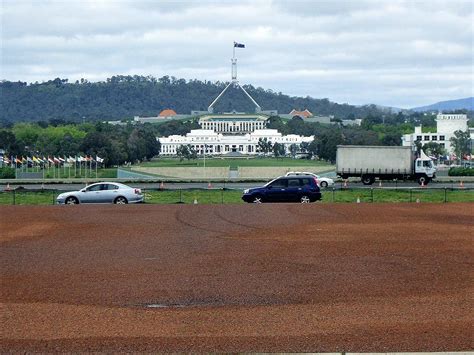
column 122, row 97
column 460, row 104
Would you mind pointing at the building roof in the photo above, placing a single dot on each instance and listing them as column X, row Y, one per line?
column 167, row 112
column 234, row 117
column 306, row 113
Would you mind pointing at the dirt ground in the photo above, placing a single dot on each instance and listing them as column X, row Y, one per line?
column 237, row 278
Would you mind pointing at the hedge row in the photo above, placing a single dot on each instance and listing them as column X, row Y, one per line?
column 461, row 172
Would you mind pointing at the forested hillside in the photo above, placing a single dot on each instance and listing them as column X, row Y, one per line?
column 122, row 97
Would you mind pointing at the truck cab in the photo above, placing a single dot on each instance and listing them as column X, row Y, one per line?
column 424, row 170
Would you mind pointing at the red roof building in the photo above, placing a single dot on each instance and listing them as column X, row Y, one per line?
column 302, row 114
column 167, row 113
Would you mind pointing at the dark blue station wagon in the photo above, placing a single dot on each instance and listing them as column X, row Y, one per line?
column 299, row 188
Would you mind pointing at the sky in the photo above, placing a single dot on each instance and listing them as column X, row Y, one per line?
column 392, row 53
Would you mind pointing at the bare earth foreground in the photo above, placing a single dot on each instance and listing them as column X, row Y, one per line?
column 342, row 277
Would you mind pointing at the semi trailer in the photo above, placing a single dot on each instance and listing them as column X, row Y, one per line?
column 383, row 163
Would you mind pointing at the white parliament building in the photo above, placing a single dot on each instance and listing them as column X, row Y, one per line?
column 230, row 133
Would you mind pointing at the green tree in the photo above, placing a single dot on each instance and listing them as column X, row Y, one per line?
column 182, row 152
column 461, row 143
column 278, row 150
column 293, row 150
column 434, row 149
column 264, row 145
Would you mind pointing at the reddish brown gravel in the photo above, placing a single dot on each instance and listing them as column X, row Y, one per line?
column 230, row 278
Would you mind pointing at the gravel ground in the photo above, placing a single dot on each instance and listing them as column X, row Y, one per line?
column 237, row 278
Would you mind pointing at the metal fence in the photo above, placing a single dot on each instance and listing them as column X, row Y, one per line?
column 226, row 195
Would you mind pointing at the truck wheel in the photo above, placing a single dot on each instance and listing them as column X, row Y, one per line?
column 423, row 180
column 367, row 180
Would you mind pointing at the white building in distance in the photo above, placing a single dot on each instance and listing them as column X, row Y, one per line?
column 210, row 142
column 446, row 125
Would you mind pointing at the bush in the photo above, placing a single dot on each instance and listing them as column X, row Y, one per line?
column 7, row 173
column 461, row 172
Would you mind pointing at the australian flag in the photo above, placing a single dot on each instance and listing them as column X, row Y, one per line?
column 239, row 45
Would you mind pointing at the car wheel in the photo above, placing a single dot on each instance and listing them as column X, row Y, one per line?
column 71, row 201
column 120, row 200
column 257, row 199
column 305, row 199
column 367, row 180
column 324, row 184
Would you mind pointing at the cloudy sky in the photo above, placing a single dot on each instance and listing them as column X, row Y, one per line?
column 394, row 53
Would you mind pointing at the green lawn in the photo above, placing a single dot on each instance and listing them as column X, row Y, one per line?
column 234, row 162
column 219, row 196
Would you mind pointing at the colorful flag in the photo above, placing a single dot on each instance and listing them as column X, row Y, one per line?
column 56, row 160
column 50, row 160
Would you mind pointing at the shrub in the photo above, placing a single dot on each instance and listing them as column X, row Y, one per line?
column 461, row 172
column 7, row 173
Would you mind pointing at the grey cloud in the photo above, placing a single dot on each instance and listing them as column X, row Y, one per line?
column 386, row 52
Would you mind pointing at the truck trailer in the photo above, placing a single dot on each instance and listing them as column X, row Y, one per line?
column 384, row 163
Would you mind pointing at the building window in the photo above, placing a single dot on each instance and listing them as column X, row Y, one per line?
column 418, row 138
column 434, row 138
column 427, row 138
column 441, row 138
column 441, row 145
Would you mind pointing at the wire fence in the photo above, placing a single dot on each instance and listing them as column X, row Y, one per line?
column 226, row 195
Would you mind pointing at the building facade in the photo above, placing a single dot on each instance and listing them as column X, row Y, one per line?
column 208, row 141
column 446, row 125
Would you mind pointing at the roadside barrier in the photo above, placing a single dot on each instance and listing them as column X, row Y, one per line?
column 226, row 195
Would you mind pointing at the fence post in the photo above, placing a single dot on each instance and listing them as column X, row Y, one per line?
column 372, row 194
column 222, row 196
column 54, row 195
column 445, row 195
column 411, row 193
column 333, row 192
column 180, row 196
column 14, row 197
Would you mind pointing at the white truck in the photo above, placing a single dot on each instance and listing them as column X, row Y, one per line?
column 384, row 163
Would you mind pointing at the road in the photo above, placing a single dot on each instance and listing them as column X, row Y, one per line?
column 237, row 185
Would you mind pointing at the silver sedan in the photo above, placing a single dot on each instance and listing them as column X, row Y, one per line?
column 102, row 192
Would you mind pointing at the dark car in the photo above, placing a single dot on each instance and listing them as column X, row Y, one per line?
column 302, row 189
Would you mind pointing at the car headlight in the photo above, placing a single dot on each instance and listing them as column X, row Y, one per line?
column 246, row 191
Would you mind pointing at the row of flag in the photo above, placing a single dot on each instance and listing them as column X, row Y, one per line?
column 51, row 160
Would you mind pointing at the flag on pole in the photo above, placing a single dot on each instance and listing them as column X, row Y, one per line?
column 98, row 159
column 56, row 160
column 50, row 160
column 239, row 45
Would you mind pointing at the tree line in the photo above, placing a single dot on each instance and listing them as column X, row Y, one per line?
column 123, row 97
column 129, row 142
column 115, row 144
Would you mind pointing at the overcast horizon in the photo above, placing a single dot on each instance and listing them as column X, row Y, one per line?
column 392, row 53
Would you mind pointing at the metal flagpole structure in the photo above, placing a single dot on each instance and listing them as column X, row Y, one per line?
column 234, row 82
